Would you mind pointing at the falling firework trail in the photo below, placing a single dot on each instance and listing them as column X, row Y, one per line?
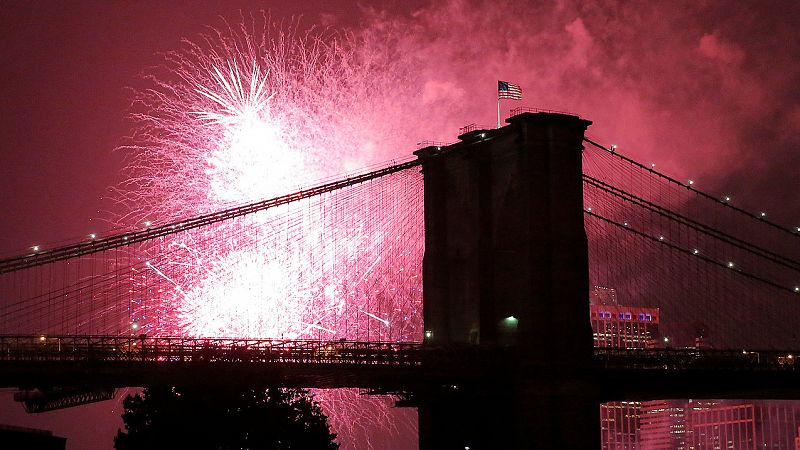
column 251, row 111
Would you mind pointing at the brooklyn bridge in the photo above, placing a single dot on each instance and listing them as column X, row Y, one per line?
column 511, row 281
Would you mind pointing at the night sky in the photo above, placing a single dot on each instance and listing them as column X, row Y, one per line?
column 707, row 90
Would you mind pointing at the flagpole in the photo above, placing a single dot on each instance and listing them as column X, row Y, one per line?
column 498, row 110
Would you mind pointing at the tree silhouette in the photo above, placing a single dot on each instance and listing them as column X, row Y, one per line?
column 222, row 419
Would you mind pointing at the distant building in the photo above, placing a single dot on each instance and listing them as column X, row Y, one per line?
column 722, row 425
column 719, row 424
column 619, row 425
column 619, row 326
column 600, row 295
column 662, row 425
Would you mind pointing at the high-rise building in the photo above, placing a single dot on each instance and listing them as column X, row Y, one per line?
column 662, row 425
column 619, row 425
column 721, row 425
column 619, row 326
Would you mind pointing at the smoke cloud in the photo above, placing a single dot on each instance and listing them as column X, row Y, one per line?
column 707, row 90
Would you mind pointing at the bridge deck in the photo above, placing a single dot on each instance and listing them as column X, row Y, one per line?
column 40, row 361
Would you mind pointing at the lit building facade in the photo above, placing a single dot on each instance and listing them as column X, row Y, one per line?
column 719, row 424
column 662, row 425
column 724, row 425
column 624, row 326
column 619, row 425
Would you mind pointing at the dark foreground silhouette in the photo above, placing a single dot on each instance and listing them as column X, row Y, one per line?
column 175, row 417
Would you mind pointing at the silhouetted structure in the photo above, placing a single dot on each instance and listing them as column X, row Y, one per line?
column 508, row 349
column 506, row 265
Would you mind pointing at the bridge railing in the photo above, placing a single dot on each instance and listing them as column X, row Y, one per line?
column 179, row 349
column 688, row 359
column 111, row 349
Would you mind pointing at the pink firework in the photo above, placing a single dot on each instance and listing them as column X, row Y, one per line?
column 249, row 112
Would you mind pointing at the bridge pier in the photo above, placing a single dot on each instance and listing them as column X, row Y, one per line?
column 506, row 266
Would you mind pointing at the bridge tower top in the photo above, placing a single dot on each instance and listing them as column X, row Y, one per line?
column 506, row 258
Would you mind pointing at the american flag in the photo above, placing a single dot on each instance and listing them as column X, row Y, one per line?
column 508, row 90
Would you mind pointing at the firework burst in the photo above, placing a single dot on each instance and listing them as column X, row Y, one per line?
column 251, row 111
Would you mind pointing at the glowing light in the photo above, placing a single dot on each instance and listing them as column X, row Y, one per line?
column 42, row 338
column 661, row 238
column 730, row 264
column 797, row 288
column 696, row 251
column 246, row 121
column 511, row 322
column 613, row 148
column 35, row 248
column 92, row 236
column 763, row 214
column 135, row 326
column 239, row 118
column 653, row 165
column 691, row 182
column 147, row 223
column 726, row 199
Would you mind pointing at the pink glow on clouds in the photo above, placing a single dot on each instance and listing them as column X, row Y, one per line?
column 699, row 88
column 708, row 90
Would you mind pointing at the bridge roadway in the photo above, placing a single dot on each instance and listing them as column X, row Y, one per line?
column 113, row 361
